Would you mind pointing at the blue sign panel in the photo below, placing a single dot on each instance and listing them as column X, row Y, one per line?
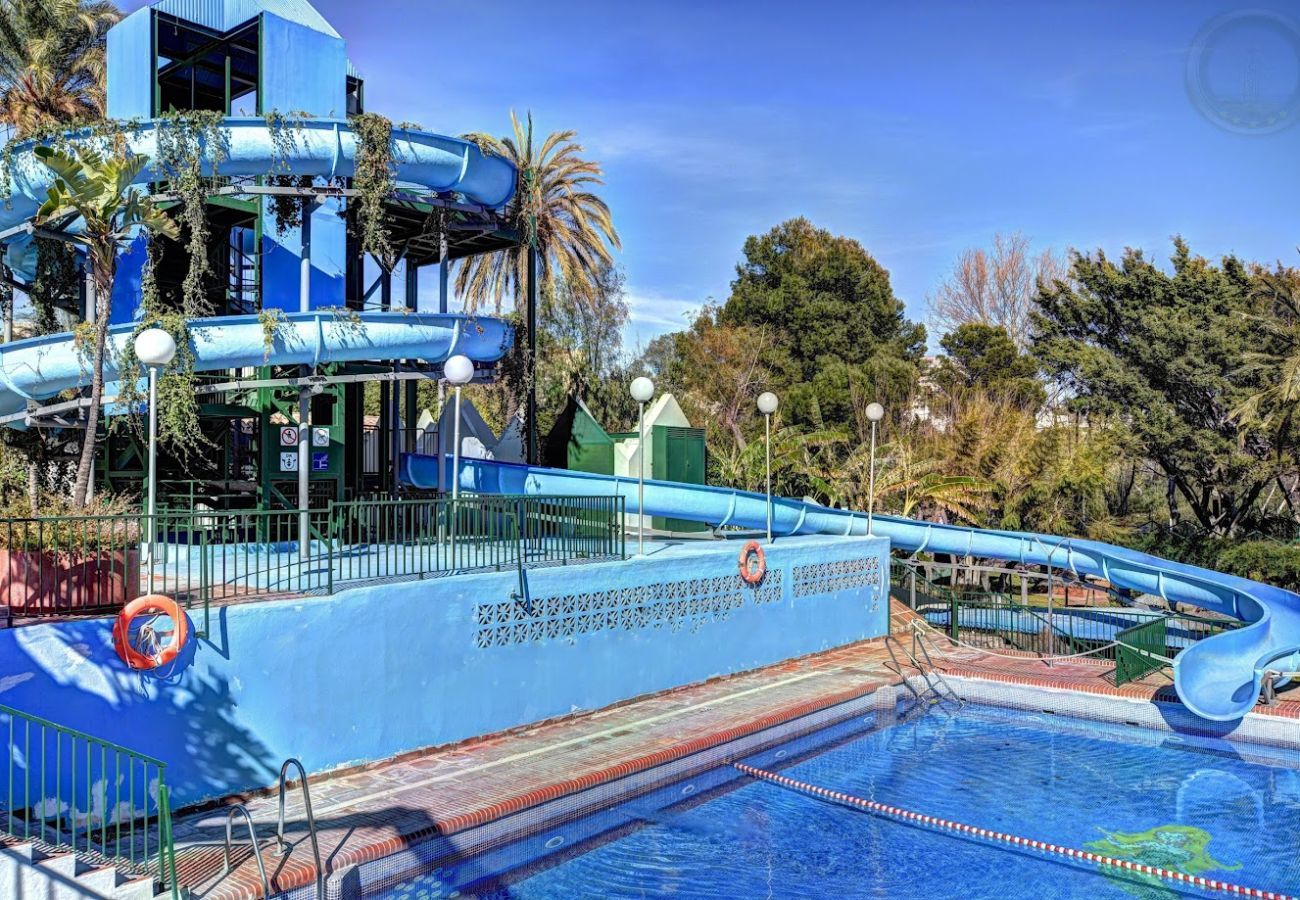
column 320, row 461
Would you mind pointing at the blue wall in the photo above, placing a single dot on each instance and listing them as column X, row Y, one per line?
column 375, row 671
column 130, row 67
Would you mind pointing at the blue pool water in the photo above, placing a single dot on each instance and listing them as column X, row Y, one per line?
column 1199, row 805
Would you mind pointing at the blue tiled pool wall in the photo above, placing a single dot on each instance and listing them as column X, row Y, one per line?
column 1251, row 733
column 449, row 869
column 548, row 832
column 376, row 671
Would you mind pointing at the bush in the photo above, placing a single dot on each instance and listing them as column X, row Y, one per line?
column 108, row 523
column 1271, row 562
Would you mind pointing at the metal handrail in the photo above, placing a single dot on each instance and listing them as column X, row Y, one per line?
column 72, row 790
column 282, row 846
column 239, row 808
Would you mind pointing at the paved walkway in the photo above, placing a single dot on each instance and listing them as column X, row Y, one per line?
column 375, row 811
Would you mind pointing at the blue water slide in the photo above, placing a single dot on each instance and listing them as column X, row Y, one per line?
column 40, row 368
column 1218, row 678
column 323, row 148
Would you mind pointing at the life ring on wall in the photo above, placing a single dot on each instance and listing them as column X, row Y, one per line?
column 753, row 563
column 151, row 605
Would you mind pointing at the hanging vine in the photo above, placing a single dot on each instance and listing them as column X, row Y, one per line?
column 373, row 180
column 56, row 282
column 286, row 131
column 178, row 400
column 185, row 141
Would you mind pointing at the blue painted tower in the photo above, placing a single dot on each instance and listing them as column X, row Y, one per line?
column 278, row 75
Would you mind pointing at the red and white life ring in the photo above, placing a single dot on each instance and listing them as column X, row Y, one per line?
column 151, row 605
column 753, row 563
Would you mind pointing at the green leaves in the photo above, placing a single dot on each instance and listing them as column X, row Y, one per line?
column 1164, row 354
column 100, row 190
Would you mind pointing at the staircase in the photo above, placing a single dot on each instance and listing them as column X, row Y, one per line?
column 81, row 818
column 27, row 870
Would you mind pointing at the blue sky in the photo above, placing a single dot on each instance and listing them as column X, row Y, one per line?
column 919, row 129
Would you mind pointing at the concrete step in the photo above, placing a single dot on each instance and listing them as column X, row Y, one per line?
column 28, row 871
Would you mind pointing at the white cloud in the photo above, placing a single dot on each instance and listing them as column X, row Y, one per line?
column 651, row 314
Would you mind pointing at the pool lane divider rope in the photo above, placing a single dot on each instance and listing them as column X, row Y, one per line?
column 907, row 815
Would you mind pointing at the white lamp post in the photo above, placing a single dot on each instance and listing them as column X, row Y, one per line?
column 767, row 404
column 875, row 412
column 642, row 390
column 155, row 349
column 458, row 370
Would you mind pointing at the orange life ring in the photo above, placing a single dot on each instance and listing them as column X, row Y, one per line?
column 153, row 604
column 753, row 563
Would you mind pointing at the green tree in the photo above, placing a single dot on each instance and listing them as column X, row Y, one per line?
column 984, row 357
column 556, row 208
column 1163, row 354
column 99, row 190
column 823, row 297
column 52, row 61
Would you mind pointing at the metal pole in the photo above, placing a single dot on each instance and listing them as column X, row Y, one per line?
column 871, row 486
column 455, row 475
column 304, row 471
column 767, row 438
column 640, row 483
column 153, row 466
column 304, row 395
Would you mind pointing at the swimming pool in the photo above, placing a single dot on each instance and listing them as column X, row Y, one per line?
column 1198, row 805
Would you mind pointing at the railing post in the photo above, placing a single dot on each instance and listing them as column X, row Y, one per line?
column 952, row 615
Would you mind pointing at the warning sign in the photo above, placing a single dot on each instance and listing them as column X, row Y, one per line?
column 288, row 436
column 289, row 462
column 320, row 437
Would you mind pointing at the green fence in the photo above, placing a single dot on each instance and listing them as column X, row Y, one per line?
column 1138, row 641
column 1141, row 650
column 88, row 565
column 67, row 790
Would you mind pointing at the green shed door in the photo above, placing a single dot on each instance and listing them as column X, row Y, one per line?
column 678, row 456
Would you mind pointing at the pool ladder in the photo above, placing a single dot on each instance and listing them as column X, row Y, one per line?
column 281, row 845
column 937, row 691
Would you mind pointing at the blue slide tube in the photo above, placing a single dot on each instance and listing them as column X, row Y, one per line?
column 41, row 368
column 1218, row 678
column 324, row 148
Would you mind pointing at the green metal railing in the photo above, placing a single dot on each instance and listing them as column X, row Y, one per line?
column 1150, row 646
column 68, row 790
column 1139, row 642
column 98, row 563
column 68, row 565
column 1141, row 650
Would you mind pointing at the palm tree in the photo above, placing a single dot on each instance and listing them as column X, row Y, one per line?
column 99, row 190
column 52, row 61
column 556, row 211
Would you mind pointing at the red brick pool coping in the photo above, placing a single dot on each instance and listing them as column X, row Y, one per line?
column 374, row 811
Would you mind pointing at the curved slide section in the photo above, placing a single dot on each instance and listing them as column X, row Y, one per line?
column 324, row 148
column 1218, row 678
column 40, row 368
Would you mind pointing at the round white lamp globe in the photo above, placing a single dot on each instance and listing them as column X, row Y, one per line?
column 642, row 389
column 458, row 370
column 767, row 403
column 155, row 347
column 875, row 412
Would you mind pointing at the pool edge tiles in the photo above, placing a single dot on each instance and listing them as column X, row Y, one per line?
column 361, row 874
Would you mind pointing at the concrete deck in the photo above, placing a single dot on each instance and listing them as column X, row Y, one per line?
column 377, row 810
